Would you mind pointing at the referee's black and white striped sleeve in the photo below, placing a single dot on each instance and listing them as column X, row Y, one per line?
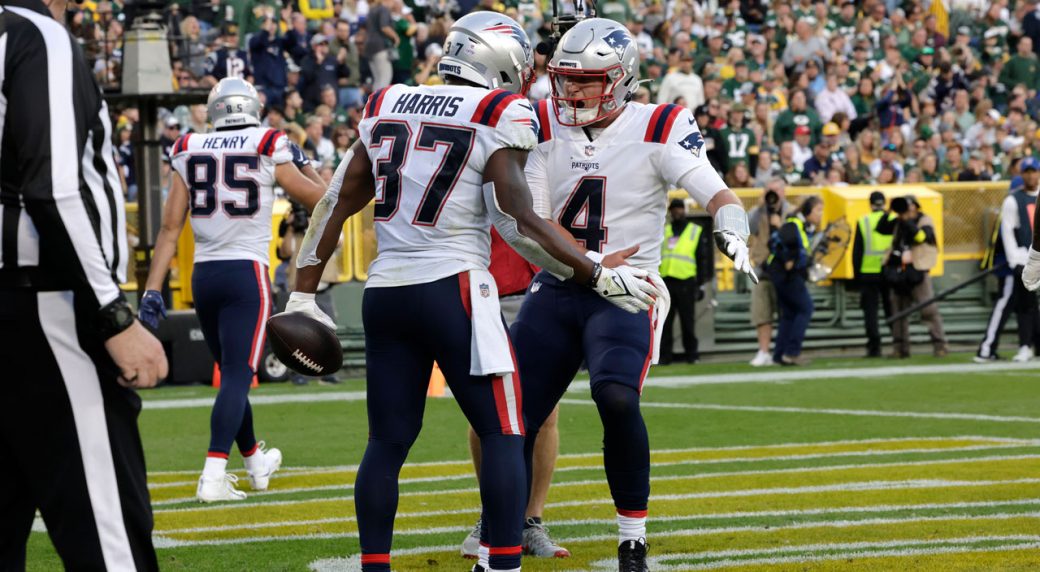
column 51, row 102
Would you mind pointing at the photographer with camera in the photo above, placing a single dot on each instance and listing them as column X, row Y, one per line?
column 914, row 253
column 765, row 219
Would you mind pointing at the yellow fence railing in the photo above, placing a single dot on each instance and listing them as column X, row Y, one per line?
column 968, row 212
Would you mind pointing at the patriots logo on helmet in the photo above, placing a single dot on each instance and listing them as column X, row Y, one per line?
column 693, row 143
column 618, row 40
column 514, row 31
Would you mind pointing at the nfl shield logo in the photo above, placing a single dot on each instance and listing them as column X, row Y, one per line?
column 590, row 150
column 485, row 290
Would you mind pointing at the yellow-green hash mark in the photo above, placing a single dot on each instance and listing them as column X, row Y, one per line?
column 807, row 489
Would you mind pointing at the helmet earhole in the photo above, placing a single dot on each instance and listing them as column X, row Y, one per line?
column 505, row 77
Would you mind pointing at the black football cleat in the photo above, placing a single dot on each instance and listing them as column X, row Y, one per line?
column 631, row 556
column 478, row 568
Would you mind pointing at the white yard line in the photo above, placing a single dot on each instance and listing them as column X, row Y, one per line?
column 473, row 489
column 467, row 467
column 771, row 376
column 207, row 402
column 824, row 411
column 822, row 552
column 474, row 510
column 168, row 542
column 774, row 375
column 468, row 463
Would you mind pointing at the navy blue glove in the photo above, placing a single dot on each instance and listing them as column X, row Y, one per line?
column 151, row 308
column 298, row 157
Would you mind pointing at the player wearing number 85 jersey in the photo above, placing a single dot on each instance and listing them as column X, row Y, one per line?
column 602, row 171
column 443, row 163
column 224, row 180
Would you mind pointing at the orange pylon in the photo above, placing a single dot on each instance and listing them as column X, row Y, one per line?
column 437, row 382
column 216, row 378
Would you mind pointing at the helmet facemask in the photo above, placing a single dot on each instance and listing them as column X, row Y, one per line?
column 578, row 111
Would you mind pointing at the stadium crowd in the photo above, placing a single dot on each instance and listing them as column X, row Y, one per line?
column 812, row 92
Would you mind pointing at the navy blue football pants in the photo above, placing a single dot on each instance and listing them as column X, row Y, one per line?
column 233, row 302
column 796, row 310
column 561, row 325
column 406, row 329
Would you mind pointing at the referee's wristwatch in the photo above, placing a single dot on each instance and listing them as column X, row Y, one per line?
column 113, row 318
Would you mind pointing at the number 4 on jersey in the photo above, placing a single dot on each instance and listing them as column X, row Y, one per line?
column 583, row 213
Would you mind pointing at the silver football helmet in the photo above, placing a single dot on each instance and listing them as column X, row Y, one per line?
column 233, row 103
column 595, row 51
column 489, row 49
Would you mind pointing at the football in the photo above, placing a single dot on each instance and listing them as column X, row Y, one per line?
column 304, row 344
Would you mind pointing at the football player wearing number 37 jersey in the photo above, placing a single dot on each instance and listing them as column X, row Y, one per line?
column 444, row 163
column 224, row 182
column 602, row 171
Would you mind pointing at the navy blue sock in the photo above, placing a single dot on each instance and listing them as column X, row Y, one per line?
column 502, row 492
column 626, row 446
column 225, row 421
column 375, row 500
column 246, row 439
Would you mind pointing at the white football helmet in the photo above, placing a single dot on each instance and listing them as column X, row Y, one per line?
column 595, row 49
column 489, row 49
column 233, row 103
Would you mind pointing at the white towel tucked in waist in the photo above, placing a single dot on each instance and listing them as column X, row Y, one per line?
column 489, row 346
column 658, row 313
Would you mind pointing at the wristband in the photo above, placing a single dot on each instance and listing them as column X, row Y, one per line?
column 597, row 270
column 113, row 318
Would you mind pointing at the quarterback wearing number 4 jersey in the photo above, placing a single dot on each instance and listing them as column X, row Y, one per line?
column 602, row 171
column 443, row 163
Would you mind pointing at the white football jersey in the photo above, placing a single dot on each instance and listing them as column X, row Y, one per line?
column 611, row 192
column 230, row 180
column 428, row 146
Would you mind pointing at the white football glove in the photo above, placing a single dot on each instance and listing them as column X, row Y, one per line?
column 733, row 246
column 627, row 288
column 1031, row 273
column 305, row 304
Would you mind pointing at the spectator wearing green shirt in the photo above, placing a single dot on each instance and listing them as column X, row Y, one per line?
column 864, row 100
column 797, row 114
column 619, row 11
column 1022, row 68
column 952, row 167
column 731, row 86
column 404, row 25
column 738, row 141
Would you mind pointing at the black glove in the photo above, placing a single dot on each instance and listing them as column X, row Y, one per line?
column 298, row 157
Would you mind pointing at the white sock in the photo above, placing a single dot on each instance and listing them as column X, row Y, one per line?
column 255, row 462
column 483, row 553
column 214, row 468
column 631, row 527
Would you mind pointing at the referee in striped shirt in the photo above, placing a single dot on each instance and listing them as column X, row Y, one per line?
column 71, row 351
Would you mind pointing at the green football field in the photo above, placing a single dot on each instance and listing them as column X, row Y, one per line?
column 851, row 464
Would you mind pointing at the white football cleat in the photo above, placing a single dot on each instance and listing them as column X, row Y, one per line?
column 762, row 359
column 1025, row 353
column 471, row 545
column 261, row 465
column 219, row 489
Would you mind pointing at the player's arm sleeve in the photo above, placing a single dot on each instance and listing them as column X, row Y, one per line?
column 537, row 175
column 281, row 153
column 683, row 161
column 1017, row 256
